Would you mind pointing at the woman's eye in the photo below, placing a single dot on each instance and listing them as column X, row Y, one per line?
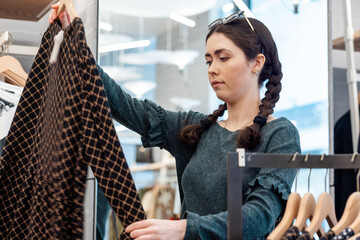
column 208, row 63
column 223, row 59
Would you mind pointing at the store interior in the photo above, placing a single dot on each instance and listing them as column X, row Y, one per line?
column 155, row 50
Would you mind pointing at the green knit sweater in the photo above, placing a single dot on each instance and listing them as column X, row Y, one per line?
column 202, row 172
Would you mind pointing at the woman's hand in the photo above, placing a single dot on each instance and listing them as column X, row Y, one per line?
column 157, row 229
column 64, row 16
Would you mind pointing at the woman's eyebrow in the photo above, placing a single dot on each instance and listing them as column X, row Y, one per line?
column 216, row 52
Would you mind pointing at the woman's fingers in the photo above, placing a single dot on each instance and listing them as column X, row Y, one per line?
column 64, row 17
column 156, row 229
column 55, row 6
column 138, row 225
column 141, row 232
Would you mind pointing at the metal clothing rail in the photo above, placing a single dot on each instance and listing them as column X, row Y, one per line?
column 238, row 160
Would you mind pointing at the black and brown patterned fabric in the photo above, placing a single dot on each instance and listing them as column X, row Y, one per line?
column 345, row 234
column 62, row 125
column 328, row 236
column 291, row 234
column 305, row 235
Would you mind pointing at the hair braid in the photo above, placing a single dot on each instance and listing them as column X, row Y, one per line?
column 250, row 137
column 191, row 134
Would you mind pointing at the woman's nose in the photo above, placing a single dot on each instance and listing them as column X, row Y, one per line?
column 213, row 69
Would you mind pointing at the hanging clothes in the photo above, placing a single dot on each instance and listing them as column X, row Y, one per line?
column 344, row 179
column 305, row 235
column 291, row 234
column 328, row 236
column 9, row 98
column 62, row 124
column 345, row 234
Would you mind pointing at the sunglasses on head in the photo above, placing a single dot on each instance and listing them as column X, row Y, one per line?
column 229, row 19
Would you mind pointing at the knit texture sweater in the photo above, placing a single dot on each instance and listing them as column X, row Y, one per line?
column 202, row 171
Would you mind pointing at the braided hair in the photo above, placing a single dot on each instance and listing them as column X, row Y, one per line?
column 253, row 44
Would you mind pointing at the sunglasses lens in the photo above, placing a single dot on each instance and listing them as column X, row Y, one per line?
column 231, row 17
column 215, row 23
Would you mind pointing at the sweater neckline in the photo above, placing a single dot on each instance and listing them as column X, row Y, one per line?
column 237, row 131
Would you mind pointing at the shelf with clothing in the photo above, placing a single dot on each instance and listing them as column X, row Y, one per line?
column 237, row 161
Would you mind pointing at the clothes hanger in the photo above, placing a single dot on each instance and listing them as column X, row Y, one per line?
column 67, row 4
column 13, row 70
column 352, row 209
column 324, row 210
column 355, row 225
column 307, row 210
column 9, row 78
column 291, row 211
column 355, row 237
column 11, row 88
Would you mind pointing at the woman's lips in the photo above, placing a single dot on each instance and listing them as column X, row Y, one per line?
column 216, row 84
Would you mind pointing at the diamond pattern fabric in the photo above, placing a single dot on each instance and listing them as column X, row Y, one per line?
column 62, row 125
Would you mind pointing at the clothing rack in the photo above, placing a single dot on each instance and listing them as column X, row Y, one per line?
column 237, row 161
column 5, row 38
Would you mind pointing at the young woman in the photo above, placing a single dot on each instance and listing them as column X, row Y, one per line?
column 241, row 56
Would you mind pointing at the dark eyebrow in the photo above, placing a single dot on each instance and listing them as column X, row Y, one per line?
column 217, row 52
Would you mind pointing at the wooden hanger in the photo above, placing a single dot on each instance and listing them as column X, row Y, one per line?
column 355, row 237
column 324, row 210
column 67, row 4
column 291, row 211
column 13, row 70
column 355, row 225
column 352, row 210
column 306, row 211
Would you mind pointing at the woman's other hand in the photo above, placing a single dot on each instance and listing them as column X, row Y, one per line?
column 64, row 16
column 157, row 229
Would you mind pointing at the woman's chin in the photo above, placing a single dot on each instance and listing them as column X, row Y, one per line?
column 220, row 96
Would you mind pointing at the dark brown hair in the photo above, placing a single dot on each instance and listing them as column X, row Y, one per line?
column 252, row 43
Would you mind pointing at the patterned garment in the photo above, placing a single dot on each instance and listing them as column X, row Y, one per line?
column 328, row 236
column 291, row 234
column 62, row 124
column 345, row 234
column 305, row 235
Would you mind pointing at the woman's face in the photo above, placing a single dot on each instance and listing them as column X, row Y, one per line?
column 230, row 73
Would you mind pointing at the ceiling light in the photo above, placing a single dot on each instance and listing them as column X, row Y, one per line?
column 105, row 26
column 125, row 45
column 228, row 7
column 139, row 88
column 108, row 38
column 181, row 19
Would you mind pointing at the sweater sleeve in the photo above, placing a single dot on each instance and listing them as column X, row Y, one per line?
column 265, row 199
column 156, row 126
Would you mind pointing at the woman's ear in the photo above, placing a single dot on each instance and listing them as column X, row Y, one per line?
column 259, row 63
